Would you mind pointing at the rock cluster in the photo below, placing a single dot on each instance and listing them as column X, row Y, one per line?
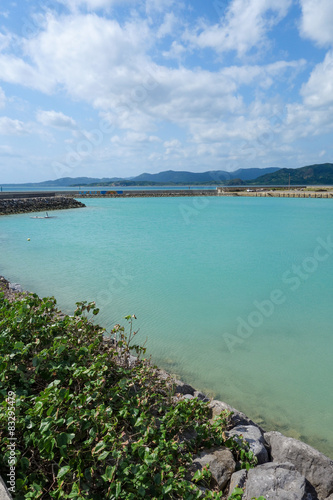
column 25, row 205
column 287, row 468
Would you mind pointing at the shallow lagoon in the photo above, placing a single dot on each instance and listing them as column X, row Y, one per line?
column 233, row 294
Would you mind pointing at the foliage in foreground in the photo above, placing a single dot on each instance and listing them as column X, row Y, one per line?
column 89, row 426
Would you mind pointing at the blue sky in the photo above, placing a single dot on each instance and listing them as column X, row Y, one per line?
column 105, row 88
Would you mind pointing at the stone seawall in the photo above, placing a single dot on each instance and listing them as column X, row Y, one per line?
column 148, row 193
column 20, row 206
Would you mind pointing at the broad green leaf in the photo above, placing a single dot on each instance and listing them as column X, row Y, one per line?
column 109, row 472
column 63, row 471
column 103, row 455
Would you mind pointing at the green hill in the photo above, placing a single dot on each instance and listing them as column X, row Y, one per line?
column 313, row 175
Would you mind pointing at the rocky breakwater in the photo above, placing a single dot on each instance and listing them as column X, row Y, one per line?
column 26, row 205
column 287, row 469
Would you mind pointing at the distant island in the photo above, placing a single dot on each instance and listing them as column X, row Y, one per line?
column 311, row 175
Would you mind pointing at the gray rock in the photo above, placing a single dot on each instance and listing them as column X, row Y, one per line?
column 237, row 418
column 316, row 467
column 163, row 375
column 275, row 482
column 132, row 360
column 4, row 493
column 238, row 480
column 187, row 396
column 187, row 435
column 177, row 386
column 201, row 490
column 180, row 387
column 201, row 396
column 16, row 287
column 254, row 437
column 221, row 464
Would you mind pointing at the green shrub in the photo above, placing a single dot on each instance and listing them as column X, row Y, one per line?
column 89, row 425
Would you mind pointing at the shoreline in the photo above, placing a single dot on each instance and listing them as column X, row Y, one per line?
column 19, row 203
column 275, row 453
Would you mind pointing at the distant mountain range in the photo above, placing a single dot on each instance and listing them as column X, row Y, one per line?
column 313, row 175
column 213, row 176
column 67, row 181
column 310, row 175
column 167, row 177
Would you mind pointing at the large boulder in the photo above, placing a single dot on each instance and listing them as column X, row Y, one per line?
column 237, row 418
column 238, row 480
column 177, row 386
column 253, row 436
column 15, row 287
column 275, row 482
column 316, row 467
column 221, row 465
column 201, row 396
column 180, row 387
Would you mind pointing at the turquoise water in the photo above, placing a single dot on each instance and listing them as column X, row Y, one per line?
column 212, row 283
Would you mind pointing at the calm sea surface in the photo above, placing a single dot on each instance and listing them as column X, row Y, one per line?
column 233, row 294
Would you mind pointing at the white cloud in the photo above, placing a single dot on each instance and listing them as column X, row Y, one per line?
column 243, row 28
column 317, row 21
column 16, row 70
column 5, row 41
column 2, row 98
column 55, row 119
column 131, row 138
column 176, row 51
column 168, row 25
column 238, row 127
column 90, row 5
column 263, row 76
column 303, row 121
column 314, row 115
column 158, row 5
column 8, row 126
column 105, row 64
column 5, row 150
column 318, row 91
column 172, row 147
column 93, row 58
